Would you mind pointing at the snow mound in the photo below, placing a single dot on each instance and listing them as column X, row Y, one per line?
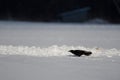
column 55, row 51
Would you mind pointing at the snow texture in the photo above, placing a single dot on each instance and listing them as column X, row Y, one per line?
column 44, row 51
column 55, row 51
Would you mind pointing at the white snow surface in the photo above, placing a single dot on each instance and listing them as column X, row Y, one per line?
column 39, row 51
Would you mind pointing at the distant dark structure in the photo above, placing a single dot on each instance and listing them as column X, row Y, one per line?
column 68, row 10
column 77, row 15
column 80, row 52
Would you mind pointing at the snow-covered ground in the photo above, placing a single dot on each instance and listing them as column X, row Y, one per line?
column 39, row 51
column 59, row 68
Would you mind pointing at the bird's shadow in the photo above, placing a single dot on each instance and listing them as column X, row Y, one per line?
column 73, row 56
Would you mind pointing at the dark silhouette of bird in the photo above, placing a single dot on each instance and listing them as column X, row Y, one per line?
column 80, row 52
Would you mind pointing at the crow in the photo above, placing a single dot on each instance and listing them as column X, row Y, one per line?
column 80, row 52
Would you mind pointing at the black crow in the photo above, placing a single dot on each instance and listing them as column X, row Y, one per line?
column 80, row 52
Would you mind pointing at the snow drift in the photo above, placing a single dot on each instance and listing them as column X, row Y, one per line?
column 55, row 51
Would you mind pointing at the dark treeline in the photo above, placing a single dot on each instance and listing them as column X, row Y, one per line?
column 47, row 10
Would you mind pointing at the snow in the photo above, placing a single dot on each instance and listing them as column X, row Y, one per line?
column 55, row 51
column 48, row 34
column 59, row 68
column 39, row 51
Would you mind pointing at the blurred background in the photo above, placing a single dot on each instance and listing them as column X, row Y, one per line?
column 80, row 11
